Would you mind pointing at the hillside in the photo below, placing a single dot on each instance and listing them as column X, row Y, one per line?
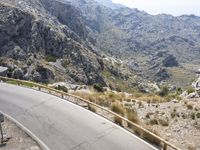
column 47, row 41
column 93, row 41
column 137, row 37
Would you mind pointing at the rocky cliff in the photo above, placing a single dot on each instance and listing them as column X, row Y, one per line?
column 32, row 30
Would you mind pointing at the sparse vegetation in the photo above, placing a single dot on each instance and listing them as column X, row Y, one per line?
column 190, row 106
column 190, row 90
column 153, row 121
column 17, row 83
column 98, row 87
column 164, row 91
column 173, row 114
column 117, row 108
column 133, row 116
column 118, row 120
column 164, row 122
column 198, row 115
column 62, row 88
column 91, row 108
column 193, row 115
column 50, row 58
column 150, row 138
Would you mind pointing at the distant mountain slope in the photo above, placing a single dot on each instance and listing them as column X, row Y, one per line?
column 135, row 36
column 53, row 40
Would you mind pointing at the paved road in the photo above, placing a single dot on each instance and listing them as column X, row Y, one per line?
column 62, row 125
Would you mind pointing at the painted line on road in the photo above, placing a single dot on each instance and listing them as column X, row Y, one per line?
column 27, row 131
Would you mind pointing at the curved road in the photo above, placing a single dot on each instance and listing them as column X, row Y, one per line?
column 62, row 125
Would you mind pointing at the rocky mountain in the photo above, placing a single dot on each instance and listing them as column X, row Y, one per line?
column 32, row 31
column 96, row 41
column 49, row 41
column 136, row 37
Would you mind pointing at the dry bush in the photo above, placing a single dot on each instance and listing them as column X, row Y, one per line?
column 151, row 98
column 132, row 116
column 153, row 121
column 150, row 138
column 173, row 114
column 164, row 122
column 117, row 108
column 118, row 120
column 147, row 136
column 149, row 114
column 92, row 108
column 190, row 106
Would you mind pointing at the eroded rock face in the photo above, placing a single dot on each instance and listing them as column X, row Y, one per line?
column 31, row 30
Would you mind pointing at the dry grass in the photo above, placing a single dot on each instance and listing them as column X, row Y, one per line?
column 150, row 138
column 118, row 120
column 151, row 98
column 147, row 136
column 91, row 108
column 117, row 108
column 132, row 116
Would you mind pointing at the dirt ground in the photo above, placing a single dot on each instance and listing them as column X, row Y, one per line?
column 19, row 139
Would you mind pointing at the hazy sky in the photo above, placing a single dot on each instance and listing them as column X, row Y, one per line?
column 174, row 7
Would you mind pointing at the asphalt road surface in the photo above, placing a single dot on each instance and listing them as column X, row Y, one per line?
column 62, row 125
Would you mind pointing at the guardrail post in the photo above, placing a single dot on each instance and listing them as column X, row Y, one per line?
column 165, row 146
column 62, row 96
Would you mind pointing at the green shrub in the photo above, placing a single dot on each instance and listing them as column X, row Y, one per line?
column 50, row 58
column 198, row 115
column 62, row 88
column 190, row 90
column 193, row 115
column 98, row 87
column 65, row 63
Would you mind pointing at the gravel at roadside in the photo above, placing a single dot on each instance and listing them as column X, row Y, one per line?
column 19, row 139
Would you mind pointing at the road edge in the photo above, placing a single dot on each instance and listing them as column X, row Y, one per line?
column 27, row 131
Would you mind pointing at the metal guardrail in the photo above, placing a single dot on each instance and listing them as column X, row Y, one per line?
column 164, row 145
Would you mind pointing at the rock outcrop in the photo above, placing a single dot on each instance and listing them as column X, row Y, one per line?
column 32, row 30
